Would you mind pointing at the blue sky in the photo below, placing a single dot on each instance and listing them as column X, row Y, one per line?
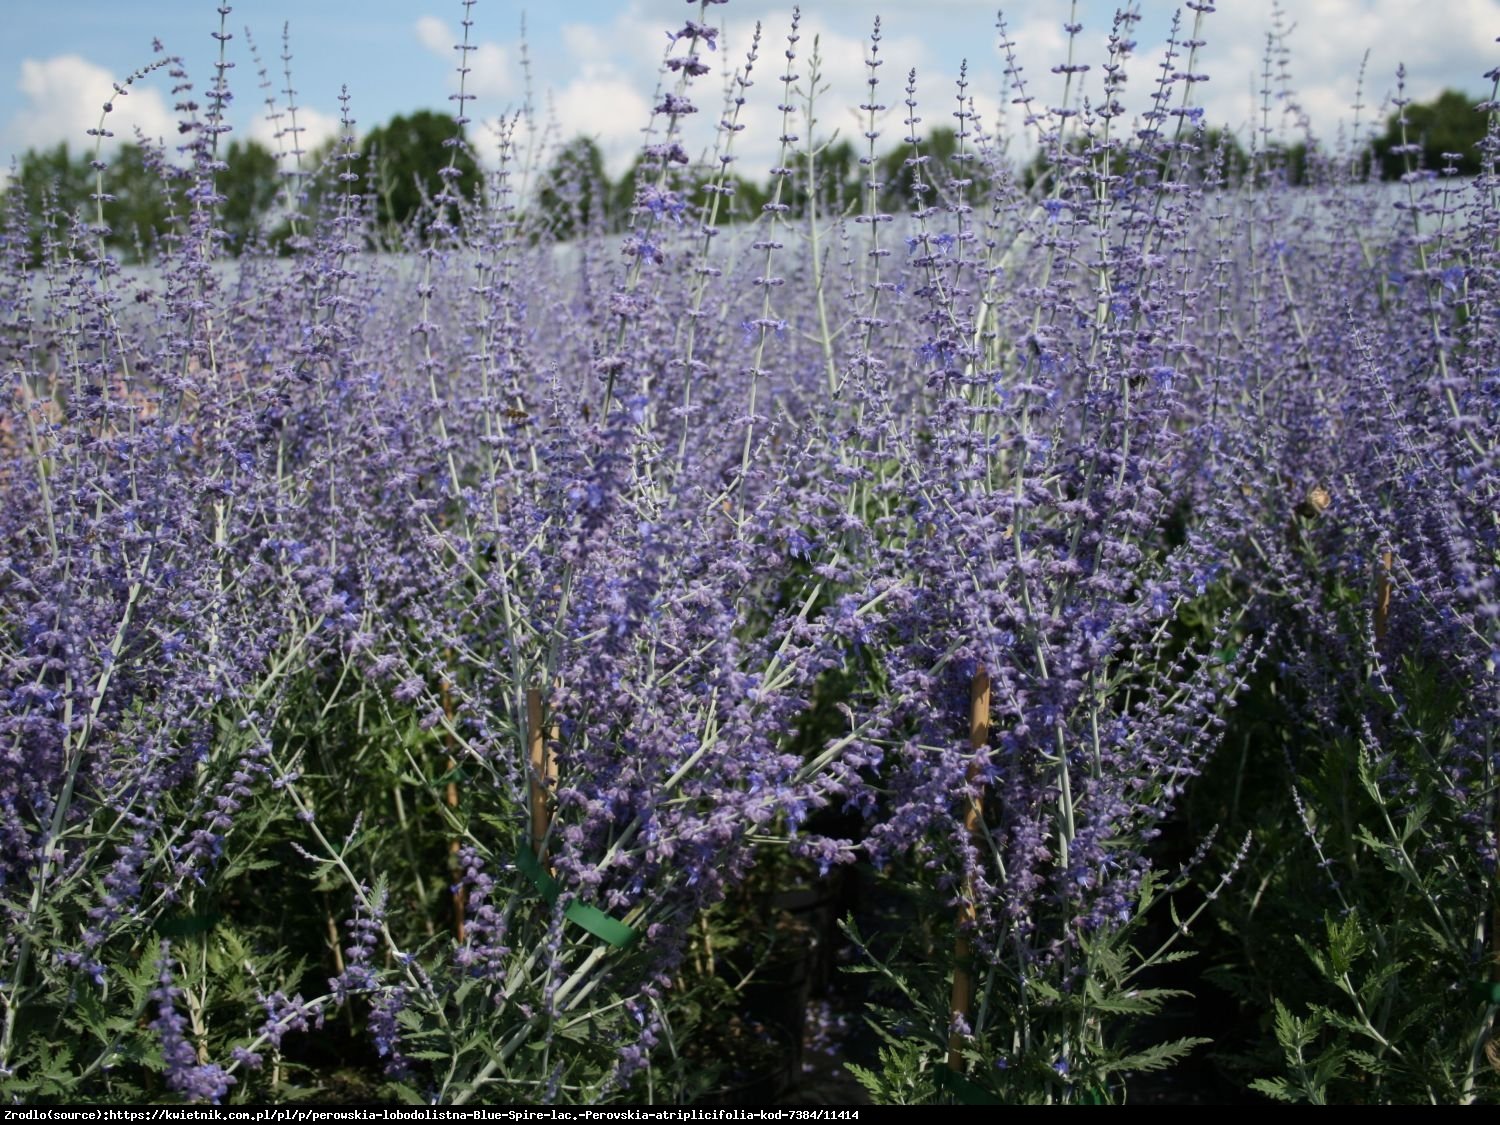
column 594, row 62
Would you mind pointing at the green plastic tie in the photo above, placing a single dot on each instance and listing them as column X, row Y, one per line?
column 591, row 918
column 186, row 925
column 964, row 1091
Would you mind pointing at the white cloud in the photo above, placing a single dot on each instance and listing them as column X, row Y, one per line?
column 491, row 72
column 64, row 96
column 614, row 68
column 842, row 87
column 1446, row 45
column 316, row 127
column 597, row 78
column 612, row 111
column 433, row 34
column 589, row 46
column 612, row 71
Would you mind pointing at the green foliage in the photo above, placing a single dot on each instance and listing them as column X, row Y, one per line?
column 1355, row 958
column 141, row 194
column 1069, row 1031
column 53, row 184
column 742, row 201
column 1289, row 163
column 575, row 190
column 144, row 196
column 84, row 1034
column 1307, row 1079
column 404, row 157
column 906, row 1074
column 249, row 185
column 149, row 198
column 831, row 174
column 1206, row 154
column 1447, row 124
column 936, row 163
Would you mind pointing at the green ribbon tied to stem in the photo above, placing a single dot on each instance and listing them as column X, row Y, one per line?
column 591, row 918
column 965, row 1092
column 185, row 925
column 1487, row 990
column 962, row 1090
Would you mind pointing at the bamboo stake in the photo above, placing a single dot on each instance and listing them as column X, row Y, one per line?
column 1383, row 596
column 963, row 977
column 543, row 771
column 450, row 795
column 333, row 936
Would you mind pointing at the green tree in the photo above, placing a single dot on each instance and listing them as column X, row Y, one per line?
column 50, row 183
column 1221, row 151
column 575, row 191
column 249, row 186
column 1289, row 162
column 1199, row 154
column 307, row 195
column 1449, row 123
column 148, row 194
column 899, row 176
column 742, row 204
column 834, row 173
column 142, row 193
column 406, row 156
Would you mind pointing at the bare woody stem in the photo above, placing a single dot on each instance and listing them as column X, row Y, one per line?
column 963, row 976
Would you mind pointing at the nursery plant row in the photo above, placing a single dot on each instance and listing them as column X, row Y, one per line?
column 1038, row 641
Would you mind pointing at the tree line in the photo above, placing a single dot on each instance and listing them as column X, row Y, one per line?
column 142, row 194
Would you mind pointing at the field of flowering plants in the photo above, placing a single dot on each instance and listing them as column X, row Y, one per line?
column 1025, row 618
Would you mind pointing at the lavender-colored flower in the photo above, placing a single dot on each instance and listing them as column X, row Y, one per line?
column 194, row 1080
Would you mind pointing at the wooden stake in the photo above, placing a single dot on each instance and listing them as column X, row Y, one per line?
column 1383, row 596
column 451, row 796
column 963, row 977
column 333, row 936
column 543, row 771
